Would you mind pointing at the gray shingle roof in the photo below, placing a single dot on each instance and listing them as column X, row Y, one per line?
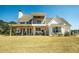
column 62, row 19
column 24, row 18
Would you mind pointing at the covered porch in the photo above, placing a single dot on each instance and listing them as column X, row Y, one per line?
column 23, row 29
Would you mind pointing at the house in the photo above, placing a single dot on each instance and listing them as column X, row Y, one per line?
column 38, row 24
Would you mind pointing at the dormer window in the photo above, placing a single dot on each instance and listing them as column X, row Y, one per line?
column 22, row 22
column 27, row 22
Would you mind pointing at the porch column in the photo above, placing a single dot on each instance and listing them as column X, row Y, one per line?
column 69, row 31
column 17, row 30
column 26, row 30
column 22, row 32
column 34, row 31
column 10, row 31
column 50, row 31
column 45, row 30
column 63, row 31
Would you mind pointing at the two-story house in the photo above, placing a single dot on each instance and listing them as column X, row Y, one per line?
column 38, row 24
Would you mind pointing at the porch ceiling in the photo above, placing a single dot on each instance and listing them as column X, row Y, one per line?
column 38, row 24
column 56, row 25
column 15, row 25
column 19, row 25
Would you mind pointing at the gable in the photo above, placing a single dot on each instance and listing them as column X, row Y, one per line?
column 59, row 21
column 54, row 22
column 47, row 20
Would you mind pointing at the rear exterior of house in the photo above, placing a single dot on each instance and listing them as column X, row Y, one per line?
column 38, row 24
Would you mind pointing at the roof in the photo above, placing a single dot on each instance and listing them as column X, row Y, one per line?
column 24, row 18
column 38, row 14
column 62, row 19
column 48, row 20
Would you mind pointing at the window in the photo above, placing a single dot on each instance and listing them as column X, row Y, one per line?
column 22, row 22
column 56, row 29
column 38, row 16
column 38, row 22
column 27, row 22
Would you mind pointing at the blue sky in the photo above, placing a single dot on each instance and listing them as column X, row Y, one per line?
column 69, row 12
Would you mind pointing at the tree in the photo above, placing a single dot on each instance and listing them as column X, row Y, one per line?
column 12, row 22
column 4, row 27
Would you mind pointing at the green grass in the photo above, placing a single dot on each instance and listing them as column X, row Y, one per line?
column 38, row 44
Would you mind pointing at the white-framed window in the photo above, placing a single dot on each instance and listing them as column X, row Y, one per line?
column 56, row 29
column 22, row 22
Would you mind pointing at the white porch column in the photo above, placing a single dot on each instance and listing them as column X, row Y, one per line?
column 22, row 32
column 26, row 30
column 17, row 30
column 50, row 31
column 10, row 31
column 62, row 30
column 34, row 31
column 45, row 31
column 69, row 31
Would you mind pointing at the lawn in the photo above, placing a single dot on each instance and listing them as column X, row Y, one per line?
column 38, row 44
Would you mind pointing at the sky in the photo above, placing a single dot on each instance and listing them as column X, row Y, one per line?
column 69, row 12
